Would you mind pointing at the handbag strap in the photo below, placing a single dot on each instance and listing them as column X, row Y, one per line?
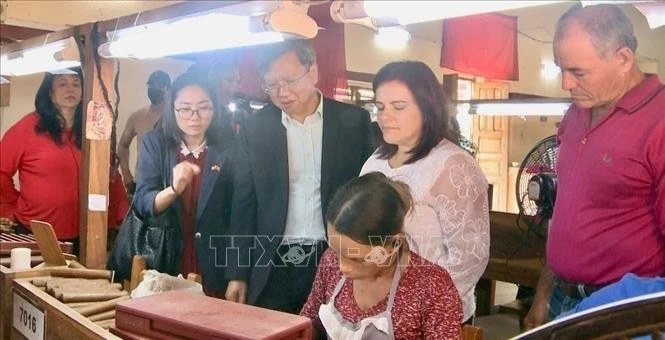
column 165, row 166
column 165, row 161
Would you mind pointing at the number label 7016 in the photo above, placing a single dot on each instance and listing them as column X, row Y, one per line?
column 28, row 320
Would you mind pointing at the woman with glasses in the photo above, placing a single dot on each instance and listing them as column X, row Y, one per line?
column 185, row 172
column 369, row 285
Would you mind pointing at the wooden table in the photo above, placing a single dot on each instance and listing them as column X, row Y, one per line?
column 517, row 255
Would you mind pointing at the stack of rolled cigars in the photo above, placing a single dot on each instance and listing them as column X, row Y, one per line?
column 87, row 291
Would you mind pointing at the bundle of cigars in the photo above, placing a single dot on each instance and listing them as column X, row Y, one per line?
column 87, row 291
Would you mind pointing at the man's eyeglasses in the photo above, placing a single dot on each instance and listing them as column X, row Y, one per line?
column 273, row 88
column 188, row 112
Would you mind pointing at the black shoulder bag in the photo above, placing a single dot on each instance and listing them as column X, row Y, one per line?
column 156, row 238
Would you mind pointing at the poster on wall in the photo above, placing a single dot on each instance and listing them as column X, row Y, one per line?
column 98, row 122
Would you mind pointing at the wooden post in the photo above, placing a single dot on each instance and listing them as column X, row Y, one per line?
column 96, row 152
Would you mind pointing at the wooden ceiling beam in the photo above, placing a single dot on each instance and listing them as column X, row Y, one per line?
column 18, row 33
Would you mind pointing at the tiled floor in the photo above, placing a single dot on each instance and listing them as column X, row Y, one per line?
column 500, row 326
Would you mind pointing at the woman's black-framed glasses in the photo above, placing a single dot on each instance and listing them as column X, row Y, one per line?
column 188, row 112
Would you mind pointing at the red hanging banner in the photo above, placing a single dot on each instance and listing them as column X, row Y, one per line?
column 483, row 45
column 330, row 51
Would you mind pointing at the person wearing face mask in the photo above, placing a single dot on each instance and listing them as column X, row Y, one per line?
column 191, row 146
column 369, row 285
column 292, row 156
column 44, row 147
column 141, row 122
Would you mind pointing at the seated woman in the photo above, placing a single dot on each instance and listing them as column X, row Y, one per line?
column 191, row 147
column 368, row 284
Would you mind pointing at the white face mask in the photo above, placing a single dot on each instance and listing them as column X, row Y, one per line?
column 378, row 327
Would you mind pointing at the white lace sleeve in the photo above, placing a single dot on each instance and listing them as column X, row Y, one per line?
column 459, row 197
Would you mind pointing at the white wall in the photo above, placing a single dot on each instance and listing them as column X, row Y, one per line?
column 540, row 22
column 526, row 132
column 537, row 25
column 21, row 100
column 133, row 94
column 363, row 55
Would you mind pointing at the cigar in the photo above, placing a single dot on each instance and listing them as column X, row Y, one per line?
column 59, row 292
column 81, row 273
column 106, row 324
column 57, row 281
column 39, row 282
column 50, row 286
column 75, row 264
column 99, row 307
column 79, row 305
column 86, row 287
column 103, row 316
column 85, row 297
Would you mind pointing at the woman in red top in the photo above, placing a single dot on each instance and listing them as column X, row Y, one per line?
column 185, row 172
column 44, row 147
column 368, row 284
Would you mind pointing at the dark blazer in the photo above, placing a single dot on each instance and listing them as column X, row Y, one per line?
column 261, row 184
column 213, row 209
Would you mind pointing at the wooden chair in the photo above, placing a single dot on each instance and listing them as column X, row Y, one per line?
column 620, row 320
column 472, row 333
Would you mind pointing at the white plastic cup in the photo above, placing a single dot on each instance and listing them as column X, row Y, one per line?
column 20, row 259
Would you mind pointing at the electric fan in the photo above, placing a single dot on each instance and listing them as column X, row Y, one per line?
column 536, row 180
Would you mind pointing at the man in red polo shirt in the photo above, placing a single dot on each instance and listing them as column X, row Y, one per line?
column 609, row 217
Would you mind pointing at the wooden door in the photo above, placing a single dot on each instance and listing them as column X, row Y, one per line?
column 490, row 134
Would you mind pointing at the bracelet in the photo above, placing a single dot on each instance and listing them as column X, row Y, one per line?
column 174, row 190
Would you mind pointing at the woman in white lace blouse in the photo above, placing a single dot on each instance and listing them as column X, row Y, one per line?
column 449, row 222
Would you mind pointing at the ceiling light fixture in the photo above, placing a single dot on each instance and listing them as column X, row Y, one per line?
column 517, row 107
column 55, row 57
column 207, row 32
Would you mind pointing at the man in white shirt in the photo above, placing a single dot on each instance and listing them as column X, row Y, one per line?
column 292, row 157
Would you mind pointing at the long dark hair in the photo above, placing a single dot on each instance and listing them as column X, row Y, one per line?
column 219, row 132
column 50, row 119
column 369, row 206
column 431, row 101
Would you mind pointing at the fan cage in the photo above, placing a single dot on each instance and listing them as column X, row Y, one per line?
column 542, row 158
